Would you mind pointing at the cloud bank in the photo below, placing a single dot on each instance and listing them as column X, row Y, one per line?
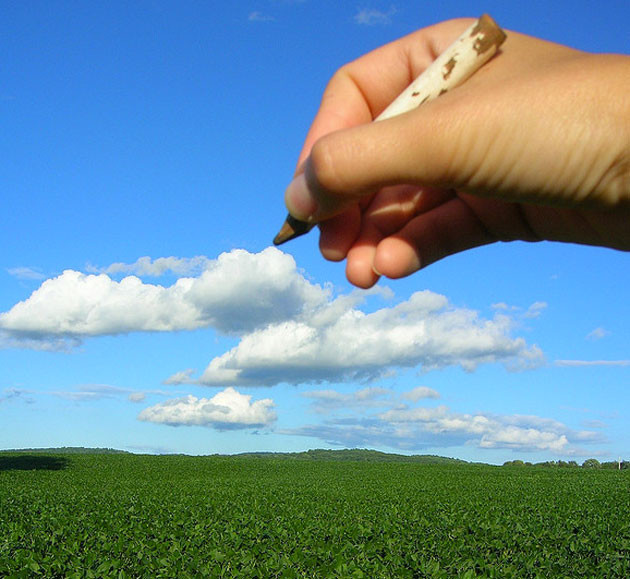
column 290, row 330
column 416, row 427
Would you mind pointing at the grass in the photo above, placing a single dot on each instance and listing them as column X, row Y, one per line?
column 123, row 515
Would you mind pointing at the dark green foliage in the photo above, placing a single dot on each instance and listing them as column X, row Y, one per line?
column 588, row 463
column 67, row 450
column 356, row 454
column 177, row 516
column 32, row 462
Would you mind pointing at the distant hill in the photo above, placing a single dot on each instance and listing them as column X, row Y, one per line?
column 69, row 450
column 355, row 454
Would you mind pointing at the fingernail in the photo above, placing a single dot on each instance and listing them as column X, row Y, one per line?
column 299, row 199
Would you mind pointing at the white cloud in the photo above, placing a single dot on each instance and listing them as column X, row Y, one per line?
column 329, row 400
column 594, row 424
column 400, row 425
column 423, row 427
column 137, row 396
column 504, row 307
column 93, row 392
column 535, row 310
column 371, row 393
column 20, row 340
column 89, row 392
column 238, row 292
column 325, row 401
column 9, row 394
column 352, row 345
column 597, row 334
column 257, row 16
column 26, row 273
column 585, row 363
column 228, row 409
column 145, row 266
column 524, row 439
column 420, row 392
column 373, row 17
column 291, row 330
column 181, row 377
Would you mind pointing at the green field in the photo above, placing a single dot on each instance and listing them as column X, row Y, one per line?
column 121, row 515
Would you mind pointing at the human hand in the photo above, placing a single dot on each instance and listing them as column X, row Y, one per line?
column 536, row 145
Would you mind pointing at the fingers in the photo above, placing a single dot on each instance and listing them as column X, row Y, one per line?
column 531, row 142
column 504, row 134
column 360, row 260
column 433, row 224
column 346, row 166
column 445, row 230
column 339, row 234
column 358, row 235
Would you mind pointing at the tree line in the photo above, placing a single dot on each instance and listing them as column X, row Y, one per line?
column 588, row 463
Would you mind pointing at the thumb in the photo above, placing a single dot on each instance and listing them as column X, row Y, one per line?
column 519, row 138
column 423, row 147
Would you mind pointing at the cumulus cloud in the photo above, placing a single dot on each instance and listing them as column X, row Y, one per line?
column 238, row 292
column 350, row 345
column 290, row 330
column 373, row 17
column 226, row 410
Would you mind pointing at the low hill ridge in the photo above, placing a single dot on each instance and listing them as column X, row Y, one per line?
column 356, row 454
column 347, row 454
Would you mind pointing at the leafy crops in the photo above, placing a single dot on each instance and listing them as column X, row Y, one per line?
column 177, row 516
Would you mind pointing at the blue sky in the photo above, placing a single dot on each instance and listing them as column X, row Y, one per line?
column 145, row 149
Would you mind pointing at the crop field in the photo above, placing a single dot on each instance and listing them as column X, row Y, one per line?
column 117, row 515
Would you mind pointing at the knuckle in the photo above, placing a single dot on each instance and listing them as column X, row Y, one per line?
column 324, row 170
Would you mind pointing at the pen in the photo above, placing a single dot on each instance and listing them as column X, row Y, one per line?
column 476, row 46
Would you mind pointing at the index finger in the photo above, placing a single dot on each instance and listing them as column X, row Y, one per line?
column 359, row 91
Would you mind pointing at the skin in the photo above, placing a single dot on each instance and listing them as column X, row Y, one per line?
column 535, row 146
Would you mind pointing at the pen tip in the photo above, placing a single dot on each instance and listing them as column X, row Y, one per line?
column 291, row 229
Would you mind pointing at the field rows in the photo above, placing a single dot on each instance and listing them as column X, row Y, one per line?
column 176, row 516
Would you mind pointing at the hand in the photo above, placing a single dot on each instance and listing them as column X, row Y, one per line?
column 536, row 145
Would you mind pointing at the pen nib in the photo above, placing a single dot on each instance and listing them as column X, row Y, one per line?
column 291, row 229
